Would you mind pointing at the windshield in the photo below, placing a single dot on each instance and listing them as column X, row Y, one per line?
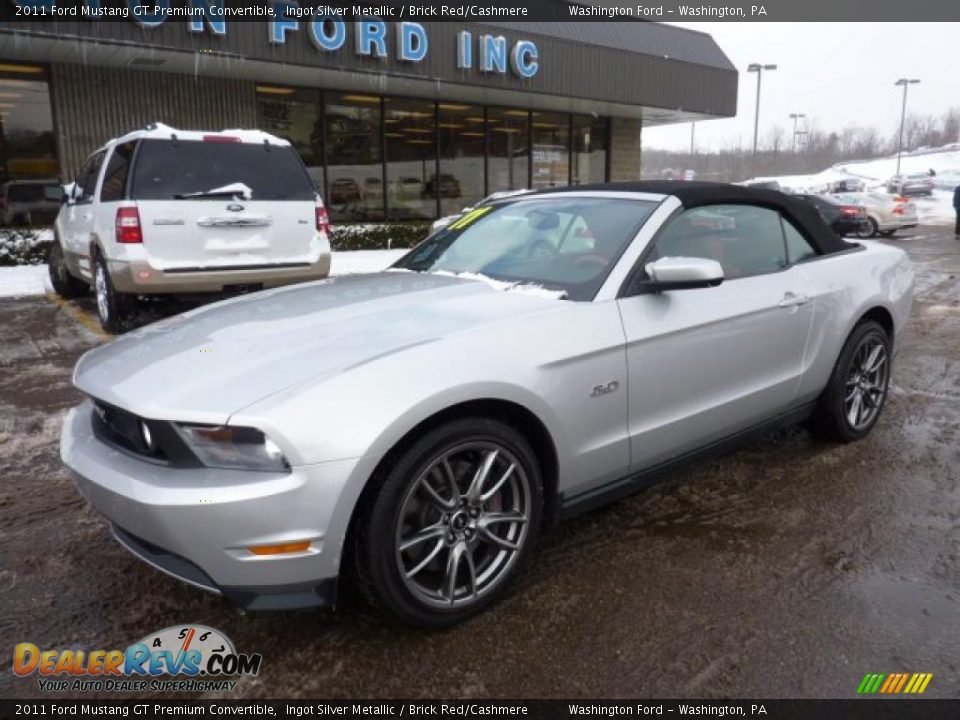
column 560, row 243
column 166, row 170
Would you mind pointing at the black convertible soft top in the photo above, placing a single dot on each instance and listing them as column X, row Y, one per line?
column 695, row 194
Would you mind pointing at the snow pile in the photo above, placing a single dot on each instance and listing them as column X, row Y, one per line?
column 524, row 288
column 363, row 261
column 15, row 245
column 936, row 209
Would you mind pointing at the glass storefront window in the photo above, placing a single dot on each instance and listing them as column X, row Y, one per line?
column 412, row 181
column 354, row 165
column 294, row 115
column 551, row 149
column 462, row 173
column 508, row 165
column 589, row 150
column 29, row 182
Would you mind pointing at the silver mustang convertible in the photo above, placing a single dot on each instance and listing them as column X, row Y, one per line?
column 536, row 357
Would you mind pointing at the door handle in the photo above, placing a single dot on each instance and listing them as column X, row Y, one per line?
column 88, row 216
column 791, row 299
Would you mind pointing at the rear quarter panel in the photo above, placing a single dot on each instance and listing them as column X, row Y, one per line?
column 846, row 286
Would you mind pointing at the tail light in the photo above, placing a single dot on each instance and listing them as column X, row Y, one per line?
column 323, row 219
column 898, row 210
column 128, row 225
column 850, row 211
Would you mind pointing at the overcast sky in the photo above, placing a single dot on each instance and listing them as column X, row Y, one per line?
column 838, row 74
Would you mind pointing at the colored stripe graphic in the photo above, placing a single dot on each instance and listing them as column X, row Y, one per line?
column 894, row 683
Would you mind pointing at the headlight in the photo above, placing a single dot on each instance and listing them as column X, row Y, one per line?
column 239, row 448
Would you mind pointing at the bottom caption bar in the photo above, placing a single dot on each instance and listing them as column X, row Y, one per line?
column 867, row 709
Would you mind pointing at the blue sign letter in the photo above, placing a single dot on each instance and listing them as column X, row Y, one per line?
column 370, row 34
column 216, row 21
column 523, row 59
column 464, row 50
column 493, row 53
column 327, row 34
column 280, row 28
column 149, row 15
column 412, row 41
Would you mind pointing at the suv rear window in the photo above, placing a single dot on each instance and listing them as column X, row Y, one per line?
column 165, row 169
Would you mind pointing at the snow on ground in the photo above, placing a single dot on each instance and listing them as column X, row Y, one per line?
column 26, row 280
column 934, row 210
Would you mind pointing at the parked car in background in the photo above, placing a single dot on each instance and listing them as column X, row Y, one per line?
column 532, row 361
column 885, row 213
column 447, row 186
column 166, row 211
column 30, row 202
column 843, row 218
column 499, row 195
column 846, row 185
column 344, row 190
column 917, row 184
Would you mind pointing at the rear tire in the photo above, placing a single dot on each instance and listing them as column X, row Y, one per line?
column 65, row 284
column 432, row 549
column 116, row 310
column 867, row 229
column 854, row 398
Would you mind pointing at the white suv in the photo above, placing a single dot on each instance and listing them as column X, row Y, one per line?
column 161, row 211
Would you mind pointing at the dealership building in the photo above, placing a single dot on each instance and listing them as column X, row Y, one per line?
column 394, row 120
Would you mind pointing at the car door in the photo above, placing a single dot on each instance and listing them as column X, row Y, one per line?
column 704, row 364
column 80, row 216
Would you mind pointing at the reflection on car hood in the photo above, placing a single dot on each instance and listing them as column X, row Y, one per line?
column 207, row 364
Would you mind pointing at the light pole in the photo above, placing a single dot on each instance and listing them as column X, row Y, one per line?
column 758, row 68
column 903, row 114
column 795, row 117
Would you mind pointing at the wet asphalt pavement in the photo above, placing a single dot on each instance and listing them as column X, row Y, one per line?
column 788, row 569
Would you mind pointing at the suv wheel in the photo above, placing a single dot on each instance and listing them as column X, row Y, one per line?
column 115, row 309
column 65, row 284
column 854, row 398
column 452, row 523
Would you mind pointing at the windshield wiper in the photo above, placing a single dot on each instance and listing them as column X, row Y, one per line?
column 234, row 190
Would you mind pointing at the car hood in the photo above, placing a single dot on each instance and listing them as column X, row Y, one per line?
column 204, row 365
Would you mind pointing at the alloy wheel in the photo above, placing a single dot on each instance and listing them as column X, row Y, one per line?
column 463, row 524
column 100, row 284
column 866, row 386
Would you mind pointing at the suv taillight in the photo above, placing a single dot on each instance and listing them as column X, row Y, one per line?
column 128, row 225
column 323, row 220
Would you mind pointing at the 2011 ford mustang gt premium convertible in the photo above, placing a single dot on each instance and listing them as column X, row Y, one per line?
column 537, row 357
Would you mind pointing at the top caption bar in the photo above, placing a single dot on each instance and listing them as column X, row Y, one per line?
column 156, row 12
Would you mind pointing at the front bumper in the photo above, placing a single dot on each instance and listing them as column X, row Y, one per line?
column 142, row 278
column 196, row 524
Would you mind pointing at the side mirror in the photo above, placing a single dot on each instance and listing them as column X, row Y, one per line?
column 68, row 193
column 682, row 273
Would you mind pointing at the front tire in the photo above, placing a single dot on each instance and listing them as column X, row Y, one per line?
column 853, row 400
column 450, row 524
column 116, row 310
column 65, row 284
